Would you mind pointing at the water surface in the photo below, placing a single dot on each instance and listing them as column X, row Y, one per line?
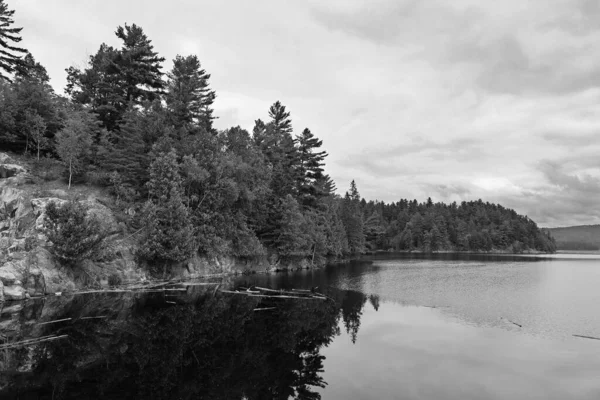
column 394, row 327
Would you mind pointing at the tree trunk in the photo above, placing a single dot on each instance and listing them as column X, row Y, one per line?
column 70, row 172
column 38, row 151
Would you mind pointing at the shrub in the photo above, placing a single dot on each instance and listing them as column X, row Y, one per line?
column 74, row 235
column 47, row 168
column 114, row 280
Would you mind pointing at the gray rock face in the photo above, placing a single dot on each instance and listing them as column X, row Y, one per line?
column 47, row 275
column 10, row 170
column 14, row 292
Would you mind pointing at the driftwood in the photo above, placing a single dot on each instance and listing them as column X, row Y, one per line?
column 276, row 294
column 52, row 322
column 32, row 342
column 265, row 308
column 511, row 322
column 132, row 291
column 587, row 337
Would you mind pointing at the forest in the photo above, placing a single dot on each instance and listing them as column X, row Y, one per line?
column 143, row 129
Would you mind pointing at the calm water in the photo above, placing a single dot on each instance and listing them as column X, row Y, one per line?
column 395, row 327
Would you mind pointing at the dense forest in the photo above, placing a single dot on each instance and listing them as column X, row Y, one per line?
column 184, row 187
column 582, row 237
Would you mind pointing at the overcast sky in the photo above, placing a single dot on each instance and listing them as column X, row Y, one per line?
column 453, row 99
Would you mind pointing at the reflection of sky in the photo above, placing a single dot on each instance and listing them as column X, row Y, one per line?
column 550, row 297
column 406, row 352
column 556, row 298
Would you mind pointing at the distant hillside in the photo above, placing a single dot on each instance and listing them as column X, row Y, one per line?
column 583, row 237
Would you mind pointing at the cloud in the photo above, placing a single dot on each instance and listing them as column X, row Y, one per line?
column 456, row 100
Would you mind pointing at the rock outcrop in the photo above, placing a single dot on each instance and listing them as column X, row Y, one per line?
column 27, row 268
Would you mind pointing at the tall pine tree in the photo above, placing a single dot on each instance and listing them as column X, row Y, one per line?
column 189, row 97
column 10, row 59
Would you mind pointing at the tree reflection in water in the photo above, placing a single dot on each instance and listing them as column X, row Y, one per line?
column 215, row 347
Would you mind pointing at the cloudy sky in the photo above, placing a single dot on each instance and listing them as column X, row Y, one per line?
column 457, row 100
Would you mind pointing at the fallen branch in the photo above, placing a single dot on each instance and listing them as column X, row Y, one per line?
column 52, row 322
column 587, row 337
column 265, row 308
column 511, row 322
column 288, row 297
column 98, row 317
column 32, row 342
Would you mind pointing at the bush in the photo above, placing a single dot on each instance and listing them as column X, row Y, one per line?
column 74, row 235
column 114, row 280
column 47, row 168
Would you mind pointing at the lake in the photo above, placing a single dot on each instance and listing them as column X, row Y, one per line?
column 447, row 326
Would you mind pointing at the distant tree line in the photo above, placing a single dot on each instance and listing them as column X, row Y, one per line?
column 468, row 226
column 188, row 188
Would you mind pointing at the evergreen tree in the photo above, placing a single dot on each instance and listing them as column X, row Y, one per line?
column 168, row 234
column 74, row 235
column 189, row 97
column 9, row 58
column 126, row 154
column 280, row 118
column 292, row 240
column 352, row 219
column 310, row 169
column 115, row 79
column 99, row 86
column 138, row 65
column 30, row 108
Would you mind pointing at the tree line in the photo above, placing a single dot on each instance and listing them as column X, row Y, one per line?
column 186, row 187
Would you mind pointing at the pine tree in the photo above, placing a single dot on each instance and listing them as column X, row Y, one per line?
column 9, row 58
column 280, row 118
column 352, row 219
column 189, row 97
column 168, row 234
column 99, row 86
column 115, row 79
column 74, row 235
column 138, row 65
column 310, row 168
column 292, row 240
column 126, row 153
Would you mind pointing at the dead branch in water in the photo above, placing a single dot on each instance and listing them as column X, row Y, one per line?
column 265, row 308
column 277, row 294
column 32, row 342
column 587, row 337
column 511, row 322
column 52, row 322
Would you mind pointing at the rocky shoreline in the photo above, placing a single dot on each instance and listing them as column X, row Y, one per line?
column 28, row 269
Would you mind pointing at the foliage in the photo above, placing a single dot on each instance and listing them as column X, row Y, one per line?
column 73, row 143
column 469, row 226
column 114, row 280
column 168, row 233
column 188, row 97
column 9, row 58
column 195, row 189
column 74, row 235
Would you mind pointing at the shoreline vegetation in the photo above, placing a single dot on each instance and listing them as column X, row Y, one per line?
column 126, row 177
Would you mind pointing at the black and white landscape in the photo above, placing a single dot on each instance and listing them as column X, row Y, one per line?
column 310, row 200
